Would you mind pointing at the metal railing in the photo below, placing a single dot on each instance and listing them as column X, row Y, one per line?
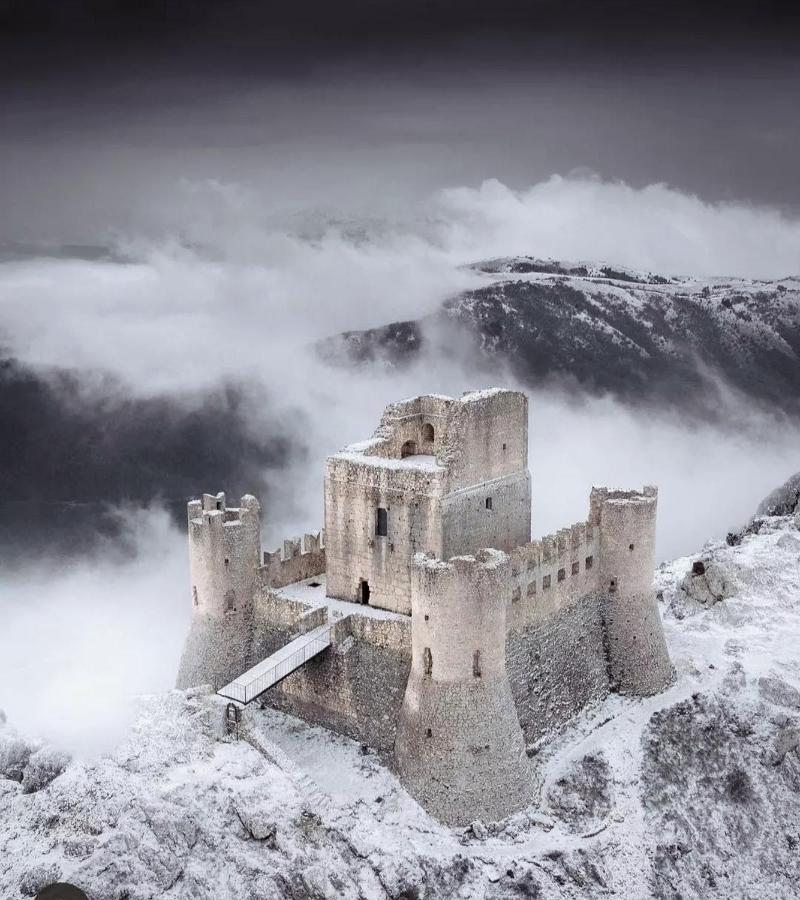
column 315, row 643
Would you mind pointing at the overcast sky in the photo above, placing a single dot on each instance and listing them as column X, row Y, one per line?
column 109, row 109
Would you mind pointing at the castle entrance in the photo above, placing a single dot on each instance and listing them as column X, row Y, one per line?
column 365, row 592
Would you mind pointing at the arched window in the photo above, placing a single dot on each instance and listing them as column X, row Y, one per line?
column 488, row 502
column 408, row 449
column 428, row 433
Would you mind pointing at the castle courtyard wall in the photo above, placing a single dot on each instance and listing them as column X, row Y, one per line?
column 555, row 646
column 356, row 687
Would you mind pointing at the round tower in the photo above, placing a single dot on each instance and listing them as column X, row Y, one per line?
column 224, row 549
column 638, row 659
column 460, row 750
column 224, row 555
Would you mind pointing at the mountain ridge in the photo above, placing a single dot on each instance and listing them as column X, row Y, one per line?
column 643, row 337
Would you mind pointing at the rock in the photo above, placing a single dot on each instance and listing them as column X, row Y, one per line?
column 788, row 739
column 43, row 767
column 581, row 797
column 708, row 583
column 15, row 752
column 479, row 830
column 783, row 501
column 777, row 691
column 38, row 877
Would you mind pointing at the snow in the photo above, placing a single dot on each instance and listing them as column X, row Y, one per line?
column 313, row 592
column 420, row 461
column 472, row 396
column 686, row 794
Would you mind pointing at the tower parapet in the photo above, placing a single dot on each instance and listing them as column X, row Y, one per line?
column 460, row 749
column 638, row 659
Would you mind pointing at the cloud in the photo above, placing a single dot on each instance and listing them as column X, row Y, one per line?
column 77, row 445
column 79, row 641
column 654, row 228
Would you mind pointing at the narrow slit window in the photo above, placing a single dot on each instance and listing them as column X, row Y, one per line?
column 427, row 659
column 562, row 574
column 476, row 664
column 589, row 562
column 545, row 582
column 488, row 502
column 381, row 522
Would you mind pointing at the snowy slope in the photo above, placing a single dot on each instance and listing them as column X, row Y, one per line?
column 693, row 793
column 640, row 336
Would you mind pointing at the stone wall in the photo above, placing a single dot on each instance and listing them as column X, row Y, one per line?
column 555, row 643
column 469, row 523
column 552, row 573
column 556, row 666
column 298, row 559
column 486, row 438
column 356, row 687
column 354, row 490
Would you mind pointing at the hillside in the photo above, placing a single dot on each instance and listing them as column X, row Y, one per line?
column 642, row 337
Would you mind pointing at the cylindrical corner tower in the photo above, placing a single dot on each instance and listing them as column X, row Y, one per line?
column 224, row 554
column 638, row 659
column 460, row 750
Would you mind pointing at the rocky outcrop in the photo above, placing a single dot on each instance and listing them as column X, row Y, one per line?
column 783, row 501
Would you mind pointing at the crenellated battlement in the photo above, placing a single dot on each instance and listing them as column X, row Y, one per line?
column 212, row 508
column 298, row 558
column 552, row 573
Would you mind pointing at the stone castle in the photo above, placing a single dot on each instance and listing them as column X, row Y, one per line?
column 423, row 621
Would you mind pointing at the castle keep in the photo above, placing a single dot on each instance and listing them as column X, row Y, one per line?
column 423, row 621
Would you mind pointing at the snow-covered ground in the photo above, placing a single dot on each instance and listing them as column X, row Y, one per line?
column 693, row 793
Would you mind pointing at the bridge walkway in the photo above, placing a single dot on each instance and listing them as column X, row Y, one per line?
column 283, row 662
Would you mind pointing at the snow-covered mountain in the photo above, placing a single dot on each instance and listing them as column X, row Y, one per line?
column 693, row 793
column 641, row 336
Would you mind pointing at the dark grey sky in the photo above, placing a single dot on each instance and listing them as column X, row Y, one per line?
column 110, row 108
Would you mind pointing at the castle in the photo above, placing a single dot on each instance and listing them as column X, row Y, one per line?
column 423, row 621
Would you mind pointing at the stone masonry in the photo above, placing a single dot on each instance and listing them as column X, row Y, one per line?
column 457, row 643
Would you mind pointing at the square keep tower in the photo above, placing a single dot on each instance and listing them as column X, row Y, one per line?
column 440, row 475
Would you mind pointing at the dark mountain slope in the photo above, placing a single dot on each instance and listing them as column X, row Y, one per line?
column 641, row 337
